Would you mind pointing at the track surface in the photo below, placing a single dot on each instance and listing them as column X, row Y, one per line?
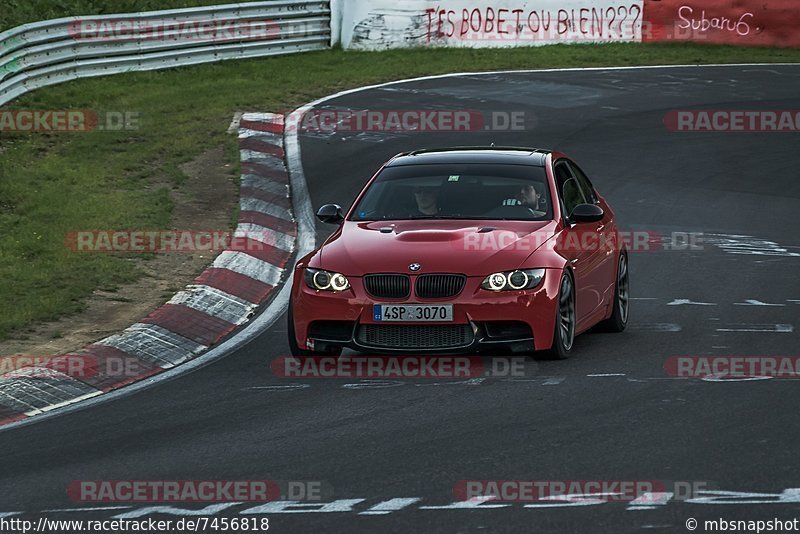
column 412, row 440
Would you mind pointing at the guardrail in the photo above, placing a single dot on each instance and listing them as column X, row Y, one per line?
column 53, row 51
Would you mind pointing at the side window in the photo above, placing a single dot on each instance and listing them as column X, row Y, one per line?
column 568, row 188
column 586, row 185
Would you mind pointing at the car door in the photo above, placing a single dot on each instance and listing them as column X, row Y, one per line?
column 579, row 244
column 606, row 272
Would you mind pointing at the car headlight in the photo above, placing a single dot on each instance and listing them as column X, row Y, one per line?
column 326, row 280
column 513, row 280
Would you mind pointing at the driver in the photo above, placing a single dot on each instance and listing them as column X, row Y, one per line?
column 427, row 198
column 528, row 196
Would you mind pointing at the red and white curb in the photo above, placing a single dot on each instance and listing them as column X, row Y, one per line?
column 223, row 297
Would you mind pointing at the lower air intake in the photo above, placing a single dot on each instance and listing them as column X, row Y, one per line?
column 415, row 336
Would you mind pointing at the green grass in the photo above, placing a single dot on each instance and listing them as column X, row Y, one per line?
column 51, row 184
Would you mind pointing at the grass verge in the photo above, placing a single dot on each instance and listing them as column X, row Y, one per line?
column 51, row 184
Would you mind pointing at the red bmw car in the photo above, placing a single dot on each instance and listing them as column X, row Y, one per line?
column 463, row 249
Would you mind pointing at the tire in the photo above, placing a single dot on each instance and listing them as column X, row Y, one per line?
column 619, row 317
column 295, row 349
column 564, row 330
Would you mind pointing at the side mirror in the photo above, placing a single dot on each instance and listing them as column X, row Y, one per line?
column 330, row 214
column 584, row 213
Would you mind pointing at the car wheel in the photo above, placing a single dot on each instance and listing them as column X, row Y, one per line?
column 564, row 332
column 619, row 317
column 295, row 349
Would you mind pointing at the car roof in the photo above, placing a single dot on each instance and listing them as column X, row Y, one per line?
column 473, row 154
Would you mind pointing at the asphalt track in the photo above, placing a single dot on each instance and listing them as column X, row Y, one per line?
column 418, row 439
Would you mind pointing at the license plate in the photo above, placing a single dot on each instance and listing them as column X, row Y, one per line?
column 413, row 312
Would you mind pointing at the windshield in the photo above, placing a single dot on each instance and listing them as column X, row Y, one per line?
column 457, row 191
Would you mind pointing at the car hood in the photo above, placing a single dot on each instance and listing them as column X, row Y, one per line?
column 474, row 248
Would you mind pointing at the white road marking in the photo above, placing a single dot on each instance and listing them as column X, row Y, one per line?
column 254, row 181
column 606, row 374
column 764, row 70
column 215, row 302
column 261, row 206
column 267, row 137
column 754, row 302
column 472, row 503
column 154, row 343
column 259, row 116
column 725, row 378
column 648, row 379
column 171, row 510
column 554, row 380
column 266, row 235
column 646, row 501
column 287, row 387
column 268, row 160
column 249, row 266
column 86, row 509
column 583, row 499
column 520, row 379
column 373, row 384
column 392, row 505
column 34, row 390
column 469, row 382
column 64, row 403
column 681, row 302
column 656, row 327
column 791, row 495
column 649, row 500
column 744, row 327
column 746, row 244
column 297, row 507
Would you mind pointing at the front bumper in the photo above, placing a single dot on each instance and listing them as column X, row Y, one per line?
column 482, row 320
